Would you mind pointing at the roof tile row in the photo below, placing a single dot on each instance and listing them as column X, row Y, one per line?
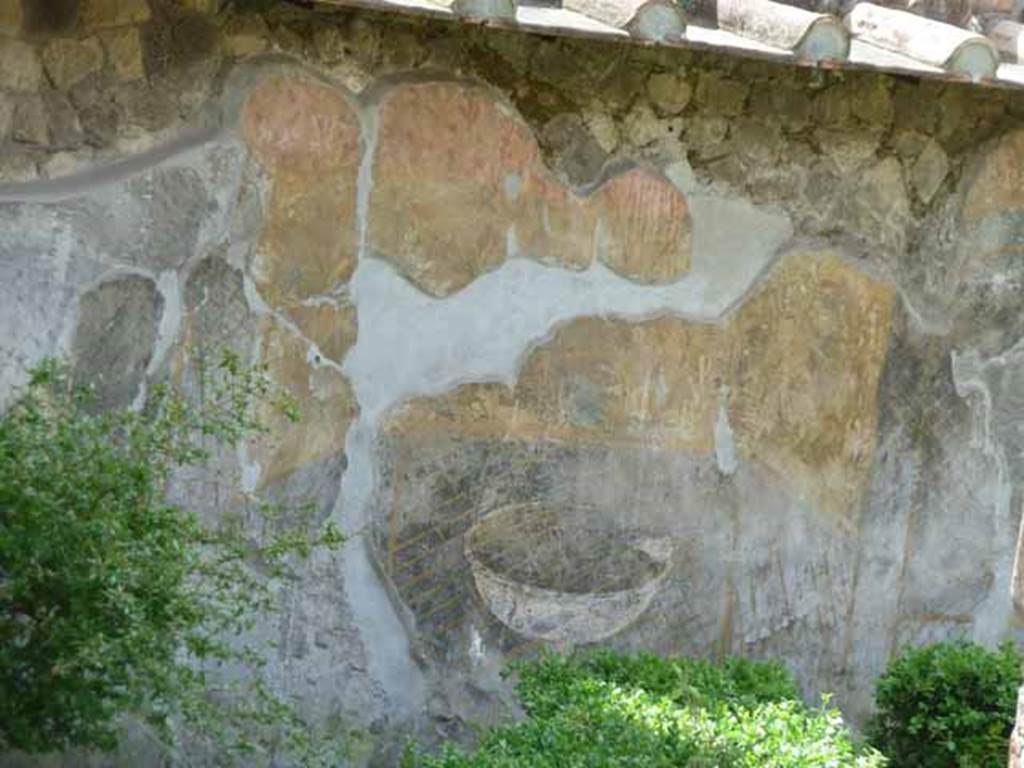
column 867, row 36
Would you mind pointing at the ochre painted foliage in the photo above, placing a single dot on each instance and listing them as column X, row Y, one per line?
column 445, row 207
column 306, row 136
column 796, row 370
column 449, row 205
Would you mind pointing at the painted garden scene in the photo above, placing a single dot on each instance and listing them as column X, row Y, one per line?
column 511, row 383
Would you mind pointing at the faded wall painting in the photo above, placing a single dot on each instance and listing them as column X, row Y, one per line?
column 650, row 351
column 677, row 482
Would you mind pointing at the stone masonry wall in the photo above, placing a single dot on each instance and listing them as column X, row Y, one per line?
column 593, row 343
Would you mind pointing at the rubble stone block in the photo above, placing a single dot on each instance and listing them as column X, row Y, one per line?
column 124, row 52
column 101, row 14
column 20, row 68
column 114, row 337
column 67, row 61
column 12, row 17
column 669, row 92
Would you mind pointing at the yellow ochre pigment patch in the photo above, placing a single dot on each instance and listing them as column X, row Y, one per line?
column 800, row 361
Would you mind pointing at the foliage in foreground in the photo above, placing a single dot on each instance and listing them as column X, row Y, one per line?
column 608, row 709
column 113, row 602
column 948, row 704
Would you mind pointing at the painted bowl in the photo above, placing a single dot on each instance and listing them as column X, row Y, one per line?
column 564, row 575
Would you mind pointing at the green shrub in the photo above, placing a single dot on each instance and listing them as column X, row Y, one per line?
column 948, row 704
column 114, row 602
column 607, row 709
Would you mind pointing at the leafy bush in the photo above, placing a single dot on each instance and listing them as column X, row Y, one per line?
column 113, row 602
column 607, row 709
column 948, row 704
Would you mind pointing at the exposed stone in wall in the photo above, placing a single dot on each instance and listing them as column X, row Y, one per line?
column 84, row 62
column 94, row 14
column 246, row 35
column 178, row 43
column 965, row 275
column 929, row 171
column 574, row 152
column 124, row 52
column 216, row 312
column 113, row 344
column 670, row 92
column 29, row 122
column 183, row 45
column 57, row 16
column 997, row 181
column 879, row 204
column 20, row 66
column 67, row 61
column 12, row 16
column 6, row 117
column 169, row 218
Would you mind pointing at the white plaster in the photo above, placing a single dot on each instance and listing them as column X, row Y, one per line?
column 324, row 299
column 384, row 636
column 251, row 470
column 37, row 298
column 411, row 344
column 253, row 299
column 63, row 248
column 681, row 174
column 513, row 186
column 169, row 285
column 476, row 646
column 511, row 242
column 364, row 180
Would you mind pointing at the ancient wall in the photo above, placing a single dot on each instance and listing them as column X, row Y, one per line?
column 592, row 343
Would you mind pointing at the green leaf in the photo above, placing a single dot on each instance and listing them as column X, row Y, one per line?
column 114, row 603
